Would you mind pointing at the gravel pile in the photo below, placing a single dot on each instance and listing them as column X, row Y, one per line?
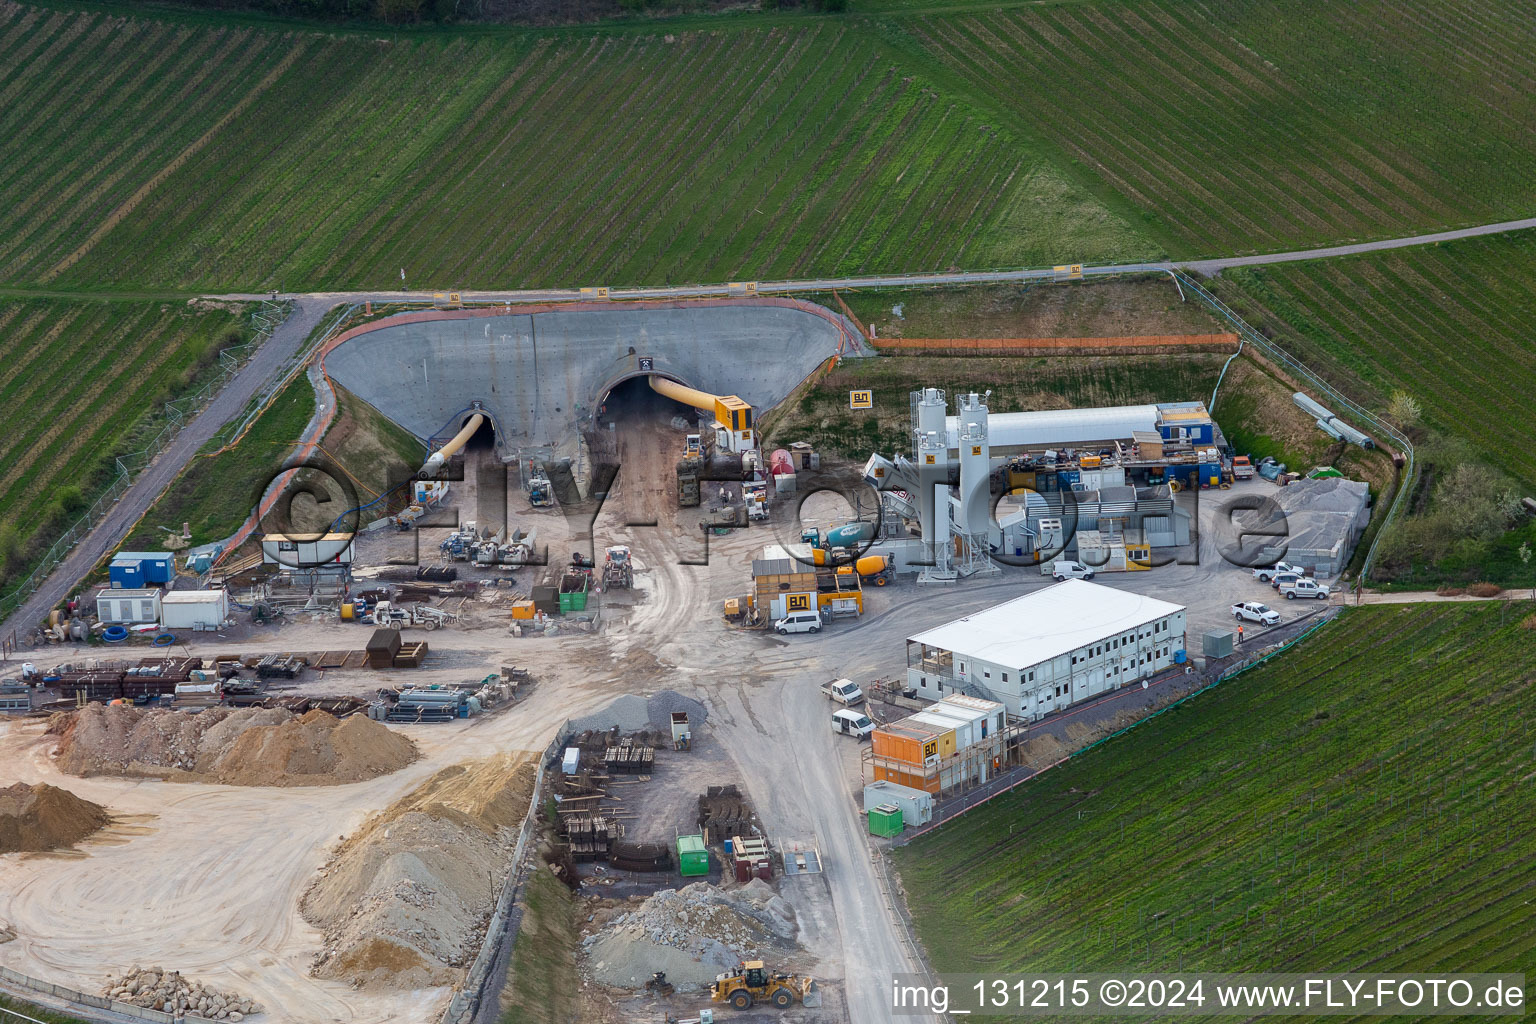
column 663, row 703
column 692, row 933
column 628, row 713
column 158, row 989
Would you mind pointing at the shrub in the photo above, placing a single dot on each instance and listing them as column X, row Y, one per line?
column 1485, row 590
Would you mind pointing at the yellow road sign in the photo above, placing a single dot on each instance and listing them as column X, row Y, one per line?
column 861, row 399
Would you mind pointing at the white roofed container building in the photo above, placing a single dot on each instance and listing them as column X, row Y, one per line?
column 1048, row 650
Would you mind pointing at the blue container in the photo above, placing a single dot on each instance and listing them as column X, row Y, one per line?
column 126, row 574
column 1068, row 477
column 727, row 847
column 1179, row 657
column 157, row 566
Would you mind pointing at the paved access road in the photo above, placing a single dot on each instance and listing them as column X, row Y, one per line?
column 1207, row 268
column 265, row 363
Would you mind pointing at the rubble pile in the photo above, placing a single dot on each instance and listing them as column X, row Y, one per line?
column 158, row 989
column 244, row 747
column 692, row 933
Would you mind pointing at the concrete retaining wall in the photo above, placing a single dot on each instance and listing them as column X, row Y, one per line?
column 541, row 372
column 24, row 984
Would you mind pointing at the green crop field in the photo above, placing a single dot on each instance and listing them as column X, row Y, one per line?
column 522, row 158
column 1362, row 802
column 1454, row 324
column 1248, row 125
column 83, row 384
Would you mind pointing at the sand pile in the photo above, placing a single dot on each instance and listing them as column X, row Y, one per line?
column 43, row 817
column 239, row 747
column 159, row 989
column 692, row 933
column 404, row 902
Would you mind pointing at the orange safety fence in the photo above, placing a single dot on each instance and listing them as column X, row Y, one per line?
column 1014, row 346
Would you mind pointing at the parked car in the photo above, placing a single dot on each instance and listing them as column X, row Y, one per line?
column 1267, row 573
column 844, row 691
column 1283, row 579
column 1069, row 570
column 1305, row 587
column 799, row 622
column 1253, row 611
column 851, row 723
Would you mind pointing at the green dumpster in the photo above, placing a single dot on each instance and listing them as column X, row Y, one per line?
column 885, row 820
column 573, row 593
column 692, row 857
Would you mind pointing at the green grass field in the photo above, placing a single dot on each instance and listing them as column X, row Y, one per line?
column 1454, row 324
column 759, row 146
column 1362, row 802
column 216, row 492
column 509, row 159
column 1258, row 125
column 84, row 383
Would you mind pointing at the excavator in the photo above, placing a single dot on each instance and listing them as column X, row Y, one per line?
column 754, row 983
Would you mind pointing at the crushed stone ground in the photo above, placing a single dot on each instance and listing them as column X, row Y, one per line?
column 693, row 934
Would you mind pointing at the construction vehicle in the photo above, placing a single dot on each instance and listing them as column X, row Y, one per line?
column 618, row 568
column 875, row 569
column 753, row 983
column 693, row 447
column 755, row 494
column 659, row 984
column 541, row 494
column 1242, row 467
column 390, row 615
column 460, row 545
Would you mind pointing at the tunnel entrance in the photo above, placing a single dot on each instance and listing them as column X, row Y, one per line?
column 633, row 400
column 483, row 439
column 636, row 440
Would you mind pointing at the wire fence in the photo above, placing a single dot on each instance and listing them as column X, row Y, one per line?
column 126, row 468
column 1335, row 397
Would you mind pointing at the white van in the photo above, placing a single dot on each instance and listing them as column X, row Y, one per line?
column 799, row 622
column 852, row 723
column 1070, row 570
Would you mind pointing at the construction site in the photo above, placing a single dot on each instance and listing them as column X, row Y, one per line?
column 589, row 638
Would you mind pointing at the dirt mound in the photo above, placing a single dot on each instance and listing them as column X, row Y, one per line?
column 237, row 747
column 158, row 989
column 693, row 934
column 403, row 903
column 43, row 817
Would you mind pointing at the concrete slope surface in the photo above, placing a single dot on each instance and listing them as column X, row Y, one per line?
column 542, row 375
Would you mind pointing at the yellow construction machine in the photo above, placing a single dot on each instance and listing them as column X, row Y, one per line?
column 753, row 983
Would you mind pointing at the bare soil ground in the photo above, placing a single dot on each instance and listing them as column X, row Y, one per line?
column 1080, row 309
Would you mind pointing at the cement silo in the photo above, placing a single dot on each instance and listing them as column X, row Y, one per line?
column 975, row 469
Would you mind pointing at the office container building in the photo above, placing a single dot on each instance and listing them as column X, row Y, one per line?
column 1050, row 649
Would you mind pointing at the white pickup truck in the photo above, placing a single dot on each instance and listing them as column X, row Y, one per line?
column 844, row 691
column 1267, row 573
column 1305, row 587
column 1253, row 611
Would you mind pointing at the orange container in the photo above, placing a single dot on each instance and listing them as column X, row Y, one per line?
column 906, row 741
column 522, row 610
